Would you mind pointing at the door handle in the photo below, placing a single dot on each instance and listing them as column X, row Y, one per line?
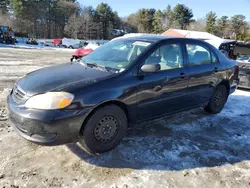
column 165, row 80
column 182, row 75
column 157, row 88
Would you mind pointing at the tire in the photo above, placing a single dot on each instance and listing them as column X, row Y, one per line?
column 218, row 100
column 93, row 136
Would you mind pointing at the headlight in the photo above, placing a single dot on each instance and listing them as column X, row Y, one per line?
column 50, row 101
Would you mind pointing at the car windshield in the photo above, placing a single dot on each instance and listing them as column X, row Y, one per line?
column 117, row 54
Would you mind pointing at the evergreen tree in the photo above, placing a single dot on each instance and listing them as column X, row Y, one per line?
column 168, row 18
column 157, row 22
column 182, row 16
column 145, row 20
column 223, row 27
column 239, row 27
column 105, row 16
column 211, row 22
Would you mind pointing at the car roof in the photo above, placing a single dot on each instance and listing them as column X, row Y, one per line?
column 156, row 38
column 148, row 37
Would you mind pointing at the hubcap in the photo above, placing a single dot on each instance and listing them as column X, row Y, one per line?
column 106, row 129
column 218, row 99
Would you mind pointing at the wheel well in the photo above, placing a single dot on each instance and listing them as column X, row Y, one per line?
column 117, row 103
column 226, row 84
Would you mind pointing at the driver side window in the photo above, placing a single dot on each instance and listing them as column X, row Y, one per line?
column 168, row 56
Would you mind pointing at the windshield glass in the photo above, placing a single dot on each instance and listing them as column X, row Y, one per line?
column 117, row 54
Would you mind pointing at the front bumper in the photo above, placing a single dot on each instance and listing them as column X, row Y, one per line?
column 46, row 127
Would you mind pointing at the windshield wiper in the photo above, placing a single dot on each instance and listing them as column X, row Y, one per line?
column 91, row 64
column 95, row 65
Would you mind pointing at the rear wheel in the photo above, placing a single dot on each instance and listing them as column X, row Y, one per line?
column 218, row 100
column 104, row 130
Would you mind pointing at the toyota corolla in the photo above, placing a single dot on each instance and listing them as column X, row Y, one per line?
column 94, row 100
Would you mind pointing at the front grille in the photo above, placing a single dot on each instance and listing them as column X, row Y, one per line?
column 18, row 94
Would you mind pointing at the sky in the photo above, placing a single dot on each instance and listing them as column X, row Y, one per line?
column 200, row 7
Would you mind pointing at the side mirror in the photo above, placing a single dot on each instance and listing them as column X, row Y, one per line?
column 151, row 68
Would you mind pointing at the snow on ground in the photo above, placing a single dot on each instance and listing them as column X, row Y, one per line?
column 30, row 46
column 190, row 149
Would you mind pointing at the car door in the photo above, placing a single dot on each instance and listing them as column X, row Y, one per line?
column 165, row 91
column 203, row 70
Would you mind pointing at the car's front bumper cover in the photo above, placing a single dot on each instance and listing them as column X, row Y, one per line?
column 45, row 127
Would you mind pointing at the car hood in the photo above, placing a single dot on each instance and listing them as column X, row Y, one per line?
column 58, row 77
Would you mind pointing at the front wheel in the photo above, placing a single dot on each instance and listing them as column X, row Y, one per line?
column 104, row 130
column 218, row 100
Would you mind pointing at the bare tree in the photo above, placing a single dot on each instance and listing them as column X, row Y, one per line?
column 197, row 25
column 88, row 28
column 71, row 29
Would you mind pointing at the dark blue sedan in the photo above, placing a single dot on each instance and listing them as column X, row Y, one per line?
column 125, row 81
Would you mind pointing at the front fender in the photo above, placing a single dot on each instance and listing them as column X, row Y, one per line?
column 126, row 96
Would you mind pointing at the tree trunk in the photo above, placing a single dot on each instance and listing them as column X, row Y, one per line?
column 49, row 28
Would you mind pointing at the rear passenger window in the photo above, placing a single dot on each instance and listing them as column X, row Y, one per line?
column 198, row 55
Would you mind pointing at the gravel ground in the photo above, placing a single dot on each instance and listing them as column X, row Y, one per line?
column 191, row 149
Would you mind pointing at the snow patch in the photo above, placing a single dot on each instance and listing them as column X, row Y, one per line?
column 29, row 46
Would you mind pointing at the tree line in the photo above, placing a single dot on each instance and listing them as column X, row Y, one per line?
column 59, row 18
column 181, row 17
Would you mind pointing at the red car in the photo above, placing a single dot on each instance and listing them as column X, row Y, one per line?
column 85, row 50
column 81, row 52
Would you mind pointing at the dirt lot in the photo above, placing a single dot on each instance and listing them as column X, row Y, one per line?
column 191, row 149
